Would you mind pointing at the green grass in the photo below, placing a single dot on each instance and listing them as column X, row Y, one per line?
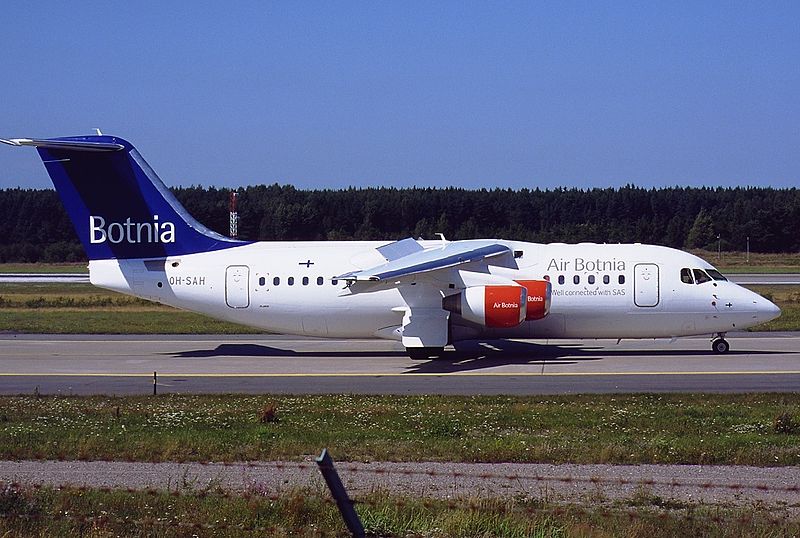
column 308, row 512
column 684, row 429
column 55, row 308
column 108, row 321
column 80, row 267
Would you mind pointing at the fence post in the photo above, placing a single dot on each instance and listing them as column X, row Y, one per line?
column 155, row 384
column 343, row 502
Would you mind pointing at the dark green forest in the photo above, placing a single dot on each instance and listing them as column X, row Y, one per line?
column 35, row 226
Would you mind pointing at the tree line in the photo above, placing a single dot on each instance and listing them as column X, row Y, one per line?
column 35, row 226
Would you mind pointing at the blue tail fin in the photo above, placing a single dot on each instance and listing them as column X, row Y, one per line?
column 117, row 203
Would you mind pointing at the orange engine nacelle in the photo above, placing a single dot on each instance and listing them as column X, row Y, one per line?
column 539, row 292
column 490, row 306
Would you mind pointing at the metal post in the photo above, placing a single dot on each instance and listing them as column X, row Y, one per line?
column 343, row 502
column 234, row 213
column 155, row 384
column 748, row 250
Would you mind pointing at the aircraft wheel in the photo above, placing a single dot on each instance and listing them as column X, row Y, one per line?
column 720, row 346
column 423, row 353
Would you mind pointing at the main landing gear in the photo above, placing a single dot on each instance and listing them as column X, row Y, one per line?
column 719, row 345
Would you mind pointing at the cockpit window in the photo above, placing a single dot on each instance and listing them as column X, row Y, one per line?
column 716, row 275
column 700, row 276
column 686, row 276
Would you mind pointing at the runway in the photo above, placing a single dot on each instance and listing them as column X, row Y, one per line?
column 81, row 364
column 44, row 278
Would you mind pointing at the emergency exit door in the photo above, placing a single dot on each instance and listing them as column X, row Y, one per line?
column 645, row 284
column 237, row 293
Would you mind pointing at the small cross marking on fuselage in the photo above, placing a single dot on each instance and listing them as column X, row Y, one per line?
column 308, row 263
column 729, row 305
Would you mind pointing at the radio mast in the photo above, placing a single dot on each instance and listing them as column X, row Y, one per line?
column 234, row 215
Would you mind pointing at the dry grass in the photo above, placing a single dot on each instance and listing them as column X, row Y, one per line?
column 213, row 512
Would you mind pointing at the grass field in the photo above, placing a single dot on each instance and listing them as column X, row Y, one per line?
column 98, row 513
column 737, row 262
column 762, row 429
column 53, row 308
column 79, row 267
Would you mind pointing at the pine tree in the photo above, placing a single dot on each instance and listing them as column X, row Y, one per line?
column 701, row 234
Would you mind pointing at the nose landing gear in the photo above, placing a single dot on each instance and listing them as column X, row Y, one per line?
column 719, row 345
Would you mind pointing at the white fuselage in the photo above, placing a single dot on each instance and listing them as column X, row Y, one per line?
column 598, row 291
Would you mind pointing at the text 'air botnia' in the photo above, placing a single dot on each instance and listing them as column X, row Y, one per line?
column 130, row 232
column 580, row 264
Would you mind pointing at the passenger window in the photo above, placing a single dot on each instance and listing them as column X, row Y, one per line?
column 334, row 282
column 606, row 279
column 305, row 281
column 686, row 276
column 290, row 281
column 701, row 277
column 276, row 281
column 262, row 281
column 561, row 279
column 320, row 280
column 622, row 279
column 716, row 275
column 547, row 278
column 591, row 279
column 576, row 279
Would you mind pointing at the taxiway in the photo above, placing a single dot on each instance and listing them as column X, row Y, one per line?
column 82, row 364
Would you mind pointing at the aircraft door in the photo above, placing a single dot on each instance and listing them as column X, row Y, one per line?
column 237, row 293
column 645, row 284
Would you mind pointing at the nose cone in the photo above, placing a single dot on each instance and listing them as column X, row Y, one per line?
column 766, row 310
column 759, row 309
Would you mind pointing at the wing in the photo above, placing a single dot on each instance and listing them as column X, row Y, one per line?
column 419, row 275
column 455, row 254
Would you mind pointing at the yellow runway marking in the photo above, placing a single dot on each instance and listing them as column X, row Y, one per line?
column 390, row 374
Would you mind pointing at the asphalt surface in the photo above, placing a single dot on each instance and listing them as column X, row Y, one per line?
column 792, row 279
column 80, row 364
column 39, row 278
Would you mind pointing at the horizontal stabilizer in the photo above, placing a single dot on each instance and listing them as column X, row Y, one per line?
column 75, row 145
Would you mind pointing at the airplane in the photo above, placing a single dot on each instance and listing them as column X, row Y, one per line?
column 426, row 294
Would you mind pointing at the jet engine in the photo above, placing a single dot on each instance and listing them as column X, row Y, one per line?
column 539, row 292
column 490, row 306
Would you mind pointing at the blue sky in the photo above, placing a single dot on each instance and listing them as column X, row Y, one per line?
column 473, row 94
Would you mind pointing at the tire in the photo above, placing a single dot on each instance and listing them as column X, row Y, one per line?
column 720, row 346
column 424, row 353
